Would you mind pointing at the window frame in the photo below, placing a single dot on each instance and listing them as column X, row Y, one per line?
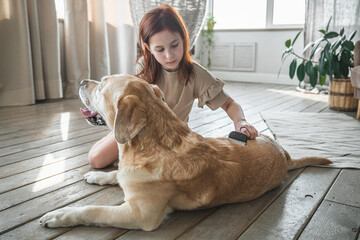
column 269, row 20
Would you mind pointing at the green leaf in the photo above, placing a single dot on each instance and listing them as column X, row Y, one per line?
column 341, row 31
column 327, row 47
column 322, row 31
column 345, row 58
column 300, row 73
column 336, row 68
column 292, row 68
column 335, row 45
column 309, row 69
column 329, row 70
column 288, row 43
column 345, row 63
column 322, row 63
column 326, row 67
column 312, row 72
column 314, row 76
column 287, row 51
column 344, row 70
column 352, row 35
column 313, row 79
column 322, row 79
column 328, row 52
column 317, row 43
column 347, row 45
column 328, row 24
column 331, row 35
column 297, row 35
column 282, row 62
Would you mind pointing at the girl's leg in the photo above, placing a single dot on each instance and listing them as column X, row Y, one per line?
column 104, row 152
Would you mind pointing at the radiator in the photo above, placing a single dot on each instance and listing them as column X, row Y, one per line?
column 233, row 56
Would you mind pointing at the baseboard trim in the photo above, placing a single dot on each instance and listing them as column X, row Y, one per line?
column 255, row 77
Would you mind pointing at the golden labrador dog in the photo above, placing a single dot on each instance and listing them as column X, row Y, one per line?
column 163, row 165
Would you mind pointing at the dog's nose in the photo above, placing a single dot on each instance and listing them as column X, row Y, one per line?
column 83, row 82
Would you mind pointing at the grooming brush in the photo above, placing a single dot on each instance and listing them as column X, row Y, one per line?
column 238, row 138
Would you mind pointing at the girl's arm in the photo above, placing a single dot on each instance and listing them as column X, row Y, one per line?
column 235, row 112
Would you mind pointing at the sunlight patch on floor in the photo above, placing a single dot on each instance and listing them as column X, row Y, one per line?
column 47, row 171
column 64, row 125
column 47, row 183
column 317, row 97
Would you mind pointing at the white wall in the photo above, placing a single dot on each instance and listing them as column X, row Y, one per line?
column 270, row 45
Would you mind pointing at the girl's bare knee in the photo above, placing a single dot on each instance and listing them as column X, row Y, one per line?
column 104, row 152
column 95, row 160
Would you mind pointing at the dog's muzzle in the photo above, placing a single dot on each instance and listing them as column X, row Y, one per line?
column 92, row 117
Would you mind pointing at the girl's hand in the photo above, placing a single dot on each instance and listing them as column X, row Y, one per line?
column 247, row 129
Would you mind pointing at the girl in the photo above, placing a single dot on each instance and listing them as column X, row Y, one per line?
column 165, row 61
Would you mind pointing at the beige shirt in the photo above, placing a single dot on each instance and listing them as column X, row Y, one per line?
column 203, row 86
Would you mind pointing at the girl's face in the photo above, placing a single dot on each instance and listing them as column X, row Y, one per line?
column 167, row 48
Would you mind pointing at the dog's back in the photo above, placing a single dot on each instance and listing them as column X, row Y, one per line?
column 216, row 171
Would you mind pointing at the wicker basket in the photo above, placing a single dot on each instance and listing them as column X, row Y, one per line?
column 192, row 12
column 341, row 96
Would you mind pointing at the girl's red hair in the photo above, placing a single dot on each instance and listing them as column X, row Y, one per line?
column 159, row 19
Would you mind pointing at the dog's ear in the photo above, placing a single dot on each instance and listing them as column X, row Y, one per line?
column 158, row 92
column 130, row 118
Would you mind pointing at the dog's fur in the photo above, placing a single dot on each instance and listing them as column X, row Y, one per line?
column 165, row 166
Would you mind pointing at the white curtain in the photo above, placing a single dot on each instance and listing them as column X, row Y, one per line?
column 96, row 39
column 99, row 40
column 29, row 50
column 344, row 13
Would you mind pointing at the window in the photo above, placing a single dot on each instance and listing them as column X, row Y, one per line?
column 59, row 4
column 287, row 12
column 258, row 14
column 232, row 14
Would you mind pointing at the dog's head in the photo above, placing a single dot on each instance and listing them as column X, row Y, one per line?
column 120, row 101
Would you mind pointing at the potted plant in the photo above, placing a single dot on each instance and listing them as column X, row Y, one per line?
column 207, row 38
column 334, row 60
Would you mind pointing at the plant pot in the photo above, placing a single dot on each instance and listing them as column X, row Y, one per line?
column 341, row 96
column 210, row 26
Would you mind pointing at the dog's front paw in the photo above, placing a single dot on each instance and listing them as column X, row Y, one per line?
column 100, row 178
column 63, row 217
column 94, row 177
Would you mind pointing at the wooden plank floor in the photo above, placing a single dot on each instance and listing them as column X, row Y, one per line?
column 43, row 157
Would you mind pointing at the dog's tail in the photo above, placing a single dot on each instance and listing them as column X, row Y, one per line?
column 306, row 161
